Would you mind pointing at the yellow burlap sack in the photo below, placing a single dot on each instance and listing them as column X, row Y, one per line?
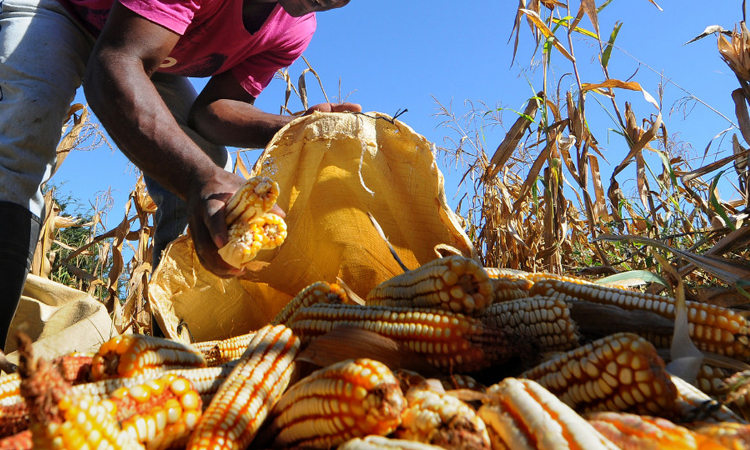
column 332, row 170
column 59, row 320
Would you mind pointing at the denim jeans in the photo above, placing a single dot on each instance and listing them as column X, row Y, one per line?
column 43, row 55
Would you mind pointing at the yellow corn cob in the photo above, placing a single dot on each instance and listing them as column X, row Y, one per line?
column 319, row 292
column 237, row 411
column 446, row 340
column 59, row 419
column 349, row 399
column 621, row 372
column 712, row 328
column 635, row 431
column 436, row 418
column 160, row 414
column 265, row 232
column 733, row 435
column 74, row 368
column 257, row 195
column 133, row 354
column 521, row 414
column 205, row 380
column 85, row 424
column 453, row 283
column 507, row 289
column 496, row 273
column 712, row 381
column 222, row 351
column 543, row 324
column 375, row 442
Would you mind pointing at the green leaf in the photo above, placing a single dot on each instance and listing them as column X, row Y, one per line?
column 607, row 53
column 565, row 21
column 715, row 202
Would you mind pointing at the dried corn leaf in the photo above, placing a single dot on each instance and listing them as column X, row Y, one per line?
column 70, row 140
column 589, row 7
column 542, row 27
column 513, row 137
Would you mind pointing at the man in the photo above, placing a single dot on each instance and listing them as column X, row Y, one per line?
column 133, row 57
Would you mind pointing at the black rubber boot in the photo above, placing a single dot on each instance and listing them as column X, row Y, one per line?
column 19, row 232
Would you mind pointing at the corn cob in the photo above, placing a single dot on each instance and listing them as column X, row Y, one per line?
column 693, row 405
column 10, row 392
column 543, row 324
column 18, row 441
column 205, row 380
column 446, row 340
column 375, row 442
column 237, row 411
column 507, row 289
column 712, row 328
column 133, row 354
column 439, row 419
column 59, row 419
column 160, row 414
column 222, row 351
column 713, row 381
column 733, row 435
column 13, row 418
column 75, row 368
column 345, row 400
column 496, row 273
column 536, row 277
column 634, row 431
column 257, row 195
column 319, row 292
column 621, row 372
column 453, row 283
column 265, row 232
column 521, row 414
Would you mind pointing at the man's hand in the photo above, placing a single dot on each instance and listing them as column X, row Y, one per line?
column 334, row 107
column 207, row 219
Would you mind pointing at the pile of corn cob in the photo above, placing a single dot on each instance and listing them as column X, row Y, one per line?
column 450, row 355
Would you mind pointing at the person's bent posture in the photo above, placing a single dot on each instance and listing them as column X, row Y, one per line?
column 133, row 57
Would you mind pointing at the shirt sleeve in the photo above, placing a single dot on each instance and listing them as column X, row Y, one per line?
column 174, row 15
column 255, row 73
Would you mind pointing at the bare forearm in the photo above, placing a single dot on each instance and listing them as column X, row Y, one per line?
column 130, row 108
column 236, row 123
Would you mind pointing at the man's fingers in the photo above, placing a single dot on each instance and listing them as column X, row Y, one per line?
column 278, row 211
column 346, row 107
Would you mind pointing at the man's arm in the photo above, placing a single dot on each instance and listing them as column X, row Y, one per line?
column 117, row 86
column 224, row 114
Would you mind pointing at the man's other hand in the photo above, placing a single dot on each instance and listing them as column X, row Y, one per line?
column 334, row 107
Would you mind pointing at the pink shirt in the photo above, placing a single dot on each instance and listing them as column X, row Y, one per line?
column 213, row 37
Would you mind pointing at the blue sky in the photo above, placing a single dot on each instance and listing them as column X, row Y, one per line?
column 390, row 55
